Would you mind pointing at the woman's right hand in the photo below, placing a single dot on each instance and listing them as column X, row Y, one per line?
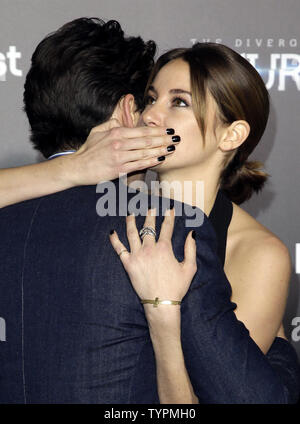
column 111, row 150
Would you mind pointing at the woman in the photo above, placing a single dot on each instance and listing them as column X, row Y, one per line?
column 219, row 105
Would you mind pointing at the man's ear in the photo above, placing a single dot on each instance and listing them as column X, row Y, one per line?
column 234, row 135
column 129, row 114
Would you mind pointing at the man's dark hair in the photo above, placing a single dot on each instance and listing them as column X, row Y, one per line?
column 77, row 76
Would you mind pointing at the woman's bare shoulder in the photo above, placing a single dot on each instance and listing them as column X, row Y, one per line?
column 258, row 267
column 248, row 240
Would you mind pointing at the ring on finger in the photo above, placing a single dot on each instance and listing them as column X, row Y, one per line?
column 147, row 231
column 122, row 251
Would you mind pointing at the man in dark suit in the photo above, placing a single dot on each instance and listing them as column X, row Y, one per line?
column 75, row 331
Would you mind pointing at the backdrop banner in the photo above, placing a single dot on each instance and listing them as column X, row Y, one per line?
column 266, row 32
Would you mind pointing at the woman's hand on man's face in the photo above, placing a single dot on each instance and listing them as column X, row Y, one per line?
column 111, row 150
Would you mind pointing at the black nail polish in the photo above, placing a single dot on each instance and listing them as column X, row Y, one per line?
column 170, row 131
column 176, row 138
column 111, row 231
column 172, row 206
column 171, row 148
column 161, row 158
column 194, row 234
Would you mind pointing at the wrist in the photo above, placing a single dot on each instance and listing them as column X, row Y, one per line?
column 164, row 318
column 67, row 170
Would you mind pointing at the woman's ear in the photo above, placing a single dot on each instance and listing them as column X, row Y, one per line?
column 234, row 135
column 129, row 114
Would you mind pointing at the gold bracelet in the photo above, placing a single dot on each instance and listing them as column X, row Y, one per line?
column 157, row 302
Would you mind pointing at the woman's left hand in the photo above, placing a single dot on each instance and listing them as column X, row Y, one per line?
column 152, row 267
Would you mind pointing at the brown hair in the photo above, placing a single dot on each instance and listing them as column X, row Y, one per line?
column 240, row 94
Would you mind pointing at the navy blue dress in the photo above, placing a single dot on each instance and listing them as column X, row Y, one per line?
column 218, row 347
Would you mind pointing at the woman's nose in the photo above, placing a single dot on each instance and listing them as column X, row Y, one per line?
column 153, row 116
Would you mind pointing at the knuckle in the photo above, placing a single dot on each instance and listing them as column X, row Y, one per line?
column 154, row 160
column 114, row 121
column 116, row 144
column 147, row 250
column 167, row 219
column 116, row 132
column 130, row 232
column 153, row 131
column 148, row 141
column 151, row 162
column 146, row 130
column 167, row 140
column 142, row 164
column 163, row 244
column 144, row 154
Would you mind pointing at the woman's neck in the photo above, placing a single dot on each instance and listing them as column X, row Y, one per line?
column 196, row 187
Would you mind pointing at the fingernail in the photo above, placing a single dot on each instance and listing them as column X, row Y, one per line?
column 161, row 158
column 172, row 206
column 194, row 234
column 111, row 231
column 171, row 148
column 170, row 131
column 176, row 138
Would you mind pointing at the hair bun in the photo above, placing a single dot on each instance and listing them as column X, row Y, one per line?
column 241, row 180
